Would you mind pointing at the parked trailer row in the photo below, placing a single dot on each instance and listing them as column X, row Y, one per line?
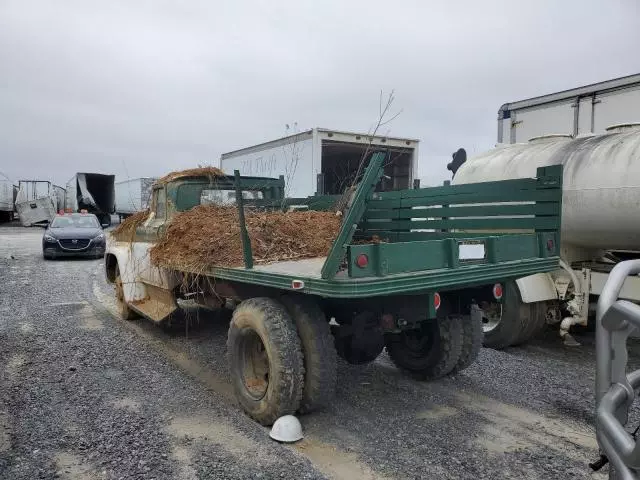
column 133, row 195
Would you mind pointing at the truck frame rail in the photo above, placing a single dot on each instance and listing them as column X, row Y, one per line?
column 615, row 388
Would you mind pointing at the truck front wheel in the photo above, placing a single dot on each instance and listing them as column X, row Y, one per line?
column 428, row 352
column 319, row 352
column 125, row 312
column 265, row 360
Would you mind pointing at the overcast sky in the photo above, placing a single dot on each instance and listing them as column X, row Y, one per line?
column 137, row 88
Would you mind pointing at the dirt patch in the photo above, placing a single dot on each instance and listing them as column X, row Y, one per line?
column 15, row 364
column 26, row 328
column 204, row 428
column 437, row 412
column 510, row 428
column 127, row 403
column 182, row 456
column 88, row 319
column 71, row 467
column 209, row 236
column 334, row 463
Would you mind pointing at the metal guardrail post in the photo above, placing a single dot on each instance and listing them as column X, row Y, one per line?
column 615, row 389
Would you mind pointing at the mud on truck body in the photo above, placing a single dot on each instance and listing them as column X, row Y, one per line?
column 400, row 275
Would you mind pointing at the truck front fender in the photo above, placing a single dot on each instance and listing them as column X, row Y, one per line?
column 127, row 259
column 537, row 288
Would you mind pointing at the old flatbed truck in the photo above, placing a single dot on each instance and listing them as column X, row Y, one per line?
column 418, row 292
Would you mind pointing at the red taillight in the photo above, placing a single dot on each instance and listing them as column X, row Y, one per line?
column 436, row 300
column 497, row 291
column 550, row 245
column 387, row 321
column 362, row 260
column 297, row 284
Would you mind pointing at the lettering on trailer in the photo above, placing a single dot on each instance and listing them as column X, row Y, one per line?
column 260, row 166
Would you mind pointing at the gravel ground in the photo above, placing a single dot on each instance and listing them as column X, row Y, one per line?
column 85, row 396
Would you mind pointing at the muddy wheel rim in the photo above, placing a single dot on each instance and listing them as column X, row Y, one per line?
column 491, row 318
column 254, row 364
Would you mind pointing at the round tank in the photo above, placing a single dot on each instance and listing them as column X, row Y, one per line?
column 601, row 183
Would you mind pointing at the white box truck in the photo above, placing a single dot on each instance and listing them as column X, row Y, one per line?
column 325, row 162
column 133, row 195
column 582, row 110
column 590, row 131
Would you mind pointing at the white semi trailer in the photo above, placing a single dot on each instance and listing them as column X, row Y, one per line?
column 325, row 162
column 133, row 195
column 601, row 201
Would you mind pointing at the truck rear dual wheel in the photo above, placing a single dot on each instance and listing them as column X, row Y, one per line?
column 265, row 360
column 429, row 352
column 472, row 337
column 281, row 357
column 517, row 323
column 319, row 351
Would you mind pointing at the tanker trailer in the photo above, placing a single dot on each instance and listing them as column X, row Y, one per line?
column 600, row 227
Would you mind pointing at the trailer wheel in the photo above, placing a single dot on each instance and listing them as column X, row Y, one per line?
column 265, row 360
column 472, row 336
column 517, row 323
column 318, row 349
column 125, row 312
column 429, row 352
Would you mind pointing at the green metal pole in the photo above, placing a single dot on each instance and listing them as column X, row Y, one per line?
column 246, row 241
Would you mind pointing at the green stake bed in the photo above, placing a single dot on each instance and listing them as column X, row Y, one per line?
column 423, row 240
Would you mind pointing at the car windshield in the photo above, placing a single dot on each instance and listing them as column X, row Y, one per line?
column 84, row 221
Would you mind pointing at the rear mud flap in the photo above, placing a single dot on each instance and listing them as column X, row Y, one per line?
column 157, row 305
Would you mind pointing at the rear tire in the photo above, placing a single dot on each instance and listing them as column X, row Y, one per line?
column 125, row 312
column 472, row 336
column 518, row 323
column 265, row 360
column 429, row 352
column 319, row 352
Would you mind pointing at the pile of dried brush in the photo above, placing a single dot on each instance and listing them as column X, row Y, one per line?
column 211, row 172
column 209, row 236
column 126, row 230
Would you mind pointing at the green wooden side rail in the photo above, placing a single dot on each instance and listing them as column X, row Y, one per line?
column 438, row 228
column 470, row 207
column 479, row 216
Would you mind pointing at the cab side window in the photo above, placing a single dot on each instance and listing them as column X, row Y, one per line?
column 161, row 203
